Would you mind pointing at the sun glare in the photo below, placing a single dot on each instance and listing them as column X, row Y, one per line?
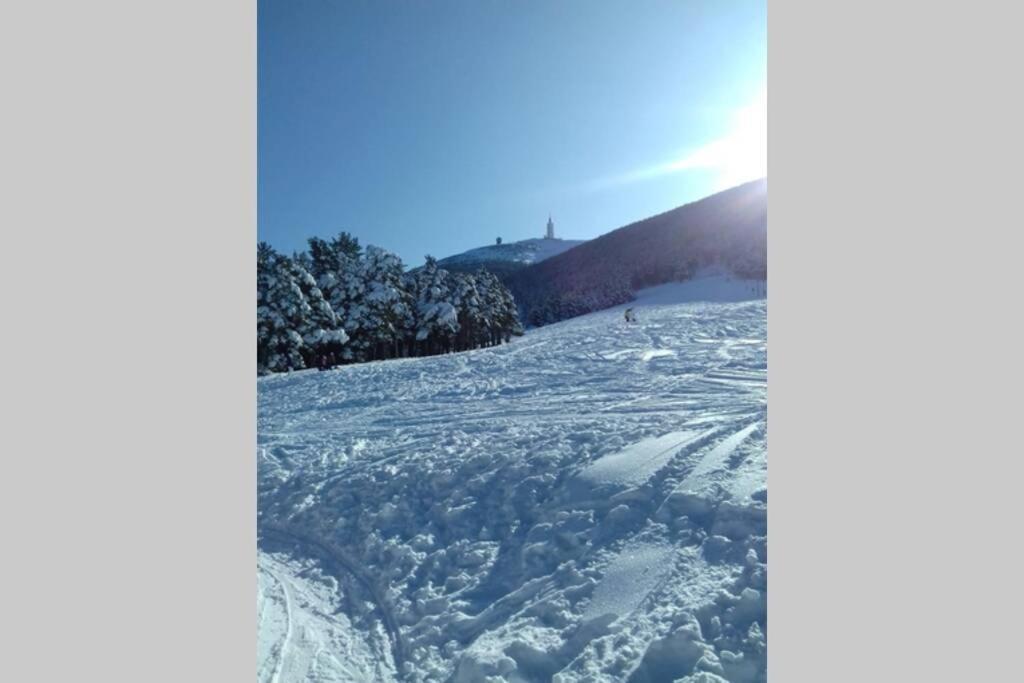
column 746, row 151
column 740, row 156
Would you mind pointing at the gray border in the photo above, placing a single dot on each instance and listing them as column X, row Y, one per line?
column 128, row 495
column 128, row 489
column 894, row 149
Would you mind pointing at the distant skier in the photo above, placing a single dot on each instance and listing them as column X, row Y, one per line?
column 630, row 316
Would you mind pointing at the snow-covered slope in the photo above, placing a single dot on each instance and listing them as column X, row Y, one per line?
column 710, row 287
column 523, row 252
column 727, row 230
column 587, row 503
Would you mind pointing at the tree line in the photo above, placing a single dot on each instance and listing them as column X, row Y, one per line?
column 338, row 303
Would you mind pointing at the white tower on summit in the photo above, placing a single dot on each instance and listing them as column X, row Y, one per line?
column 551, row 229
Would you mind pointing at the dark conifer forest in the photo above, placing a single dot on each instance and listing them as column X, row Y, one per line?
column 338, row 303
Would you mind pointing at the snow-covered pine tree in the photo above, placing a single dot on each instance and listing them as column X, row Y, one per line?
column 338, row 273
column 346, row 245
column 508, row 313
column 302, row 259
column 499, row 309
column 320, row 328
column 410, row 345
column 489, row 306
column 436, row 319
column 322, row 262
column 295, row 325
column 265, row 328
column 385, row 315
column 334, row 299
column 471, row 315
column 280, row 312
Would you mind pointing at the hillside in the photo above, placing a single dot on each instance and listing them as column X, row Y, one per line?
column 504, row 259
column 587, row 503
column 726, row 230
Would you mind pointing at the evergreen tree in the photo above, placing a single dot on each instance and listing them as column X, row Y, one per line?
column 295, row 325
column 264, row 320
column 436, row 319
column 499, row 308
column 472, row 316
column 322, row 261
column 386, row 308
column 280, row 310
column 302, row 259
column 338, row 273
column 361, row 305
column 346, row 245
column 508, row 313
column 319, row 327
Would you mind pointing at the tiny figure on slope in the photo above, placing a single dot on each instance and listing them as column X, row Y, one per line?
column 630, row 316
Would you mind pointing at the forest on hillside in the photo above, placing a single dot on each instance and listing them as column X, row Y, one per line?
column 338, row 303
column 728, row 230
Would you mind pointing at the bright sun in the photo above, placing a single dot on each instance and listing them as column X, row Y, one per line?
column 746, row 150
column 740, row 156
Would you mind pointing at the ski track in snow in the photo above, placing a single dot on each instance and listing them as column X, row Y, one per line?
column 282, row 653
column 316, row 642
column 587, row 503
column 629, row 578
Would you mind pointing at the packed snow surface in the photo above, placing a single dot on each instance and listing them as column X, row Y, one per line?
column 524, row 251
column 711, row 285
column 587, row 503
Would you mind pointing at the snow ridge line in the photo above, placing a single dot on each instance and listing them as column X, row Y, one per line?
column 328, row 551
column 684, row 448
column 286, row 641
column 727, row 446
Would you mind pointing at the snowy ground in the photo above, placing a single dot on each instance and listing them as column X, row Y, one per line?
column 587, row 503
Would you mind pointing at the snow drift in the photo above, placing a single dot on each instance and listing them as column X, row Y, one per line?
column 587, row 503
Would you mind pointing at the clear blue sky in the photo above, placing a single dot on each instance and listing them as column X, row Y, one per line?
column 434, row 127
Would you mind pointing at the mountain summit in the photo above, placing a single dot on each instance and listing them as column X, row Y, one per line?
column 522, row 253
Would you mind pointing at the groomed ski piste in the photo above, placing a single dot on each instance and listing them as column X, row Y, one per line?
column 587, row 503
